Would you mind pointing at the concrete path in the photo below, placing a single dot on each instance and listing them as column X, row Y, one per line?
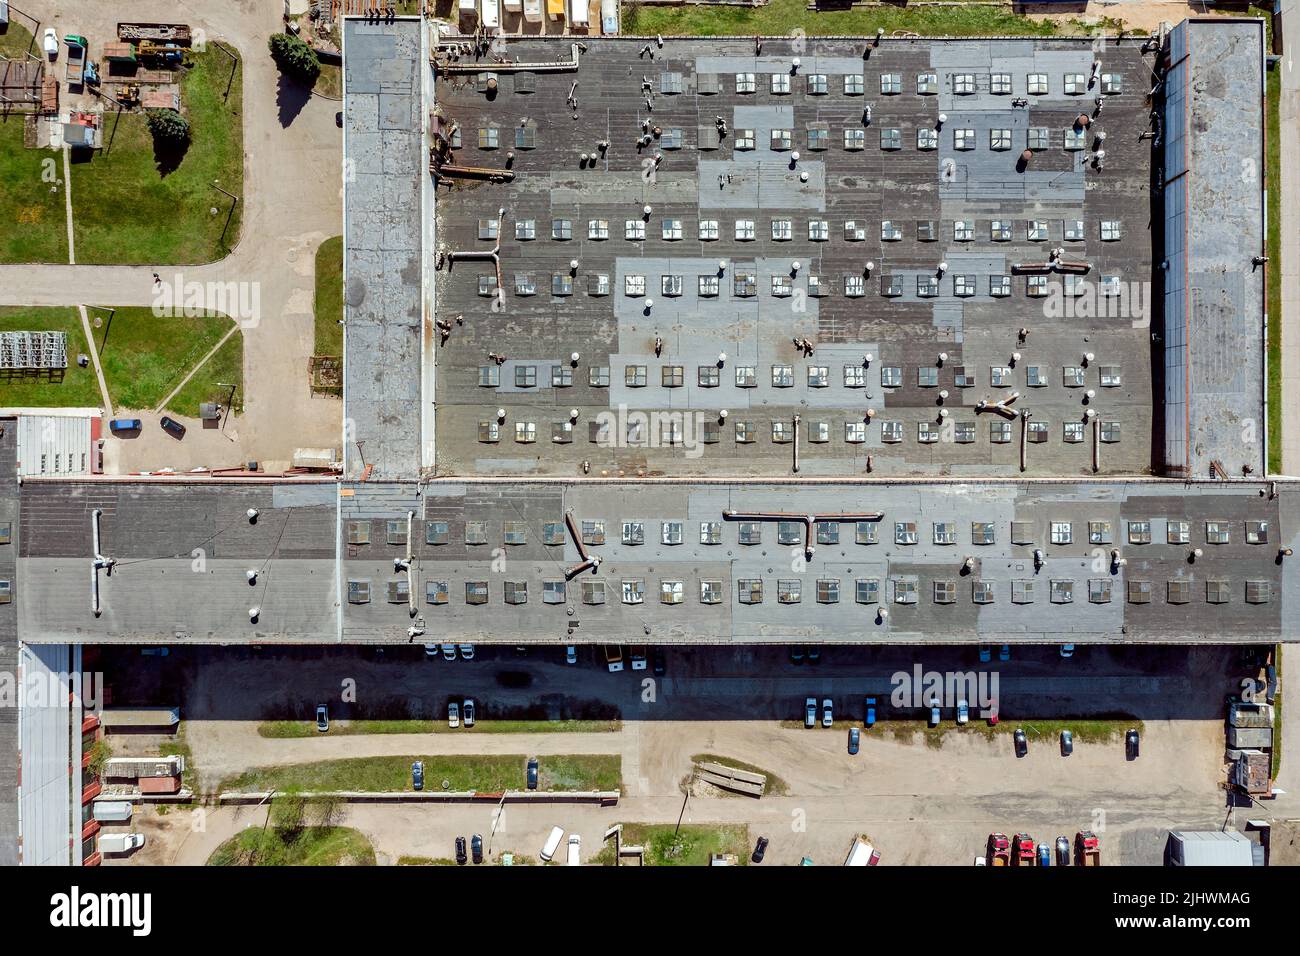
column 291, row 204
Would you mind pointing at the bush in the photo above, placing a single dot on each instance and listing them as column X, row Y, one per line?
column 169, row 128
column 295, row 58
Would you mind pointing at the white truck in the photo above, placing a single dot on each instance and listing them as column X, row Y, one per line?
column 120, row 842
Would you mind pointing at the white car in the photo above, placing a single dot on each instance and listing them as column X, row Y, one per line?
column 431, row 650
column 963, row 712
column 1067, row 650
column 453, row 715
column 467, row 652
column 322, row 718
column 810, row 712
column 468, row 710
column 571, row 654
column 828, row 717
column 449, row 652
column 575, row 849
column 50, row 43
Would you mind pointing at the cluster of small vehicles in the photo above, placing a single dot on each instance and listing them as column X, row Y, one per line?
column 1022, row 850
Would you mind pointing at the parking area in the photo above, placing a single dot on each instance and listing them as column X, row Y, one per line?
column 743, row 704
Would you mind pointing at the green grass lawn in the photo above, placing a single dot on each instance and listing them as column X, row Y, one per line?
column 692, row 846
column 16, row 41
column 782, row 17
column 227, row 365
column 74, row 387
column 329, row 297
column 330, row 81
column 310, row 846
column 146, row 356
column 307, row 728
column 1273, row 162
column 126, row 211
column 33, row 219
column 1042, row 732
column 484, row 773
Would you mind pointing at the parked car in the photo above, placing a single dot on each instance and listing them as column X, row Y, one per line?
column 532, row 773
column 1021, row 742
column 986, row 653
column 466, row 652
column 417, row 775
column 934, row 712
column 453, row 715
column 1131, row 744
column 870, row 718
column 855, row 736
column 828, row 717
column 810, row 712
column 476, row 848
column 659, row 661
column 613, row 658
column 50, row 43
column 1044, row 855
column 760, row 848
column 575, row 850
column 571, row 654
column 461, row 857
column 449, row 652
column 1062, row 851
column 639, row 657
column 322, row 718
column 172, row 427
column 431, row 650
column 467, row 709
column 155, row 651
column 119, row 425
column 814, row 654
column 796, row 653
column 963, row 712
column 1067, row 743
column 1004, row 654
column 1067, row 650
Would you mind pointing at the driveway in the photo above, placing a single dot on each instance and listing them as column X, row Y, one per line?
column 292, row 201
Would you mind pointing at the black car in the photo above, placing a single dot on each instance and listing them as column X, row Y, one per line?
column 173, row 427
column 814, row 654
column 1062, row 851
column 1021, row 741
column 1131, row 744
column 759, row 849
column 461, row 858
column 476, row 848
column 532, row 773
column 659, row 663
column 417, row 775
column 1067, row 743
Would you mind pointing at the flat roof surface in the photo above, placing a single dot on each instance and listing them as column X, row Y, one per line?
column 731, row 215
column 183, row 552
column 680, row 561
column 382, row 223
column 9, row 644
column 1214, row 221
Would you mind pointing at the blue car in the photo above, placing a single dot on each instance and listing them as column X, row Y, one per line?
column 417, row 775
column 1044, row 855
column 871, row 712
column 118, row 425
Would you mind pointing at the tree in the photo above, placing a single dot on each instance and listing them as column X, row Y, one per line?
column 295, row 58
column 169, row 128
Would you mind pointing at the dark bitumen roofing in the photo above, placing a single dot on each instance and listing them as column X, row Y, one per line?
column 875, row 204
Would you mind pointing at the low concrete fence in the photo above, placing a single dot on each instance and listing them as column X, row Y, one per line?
column 604, row 798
